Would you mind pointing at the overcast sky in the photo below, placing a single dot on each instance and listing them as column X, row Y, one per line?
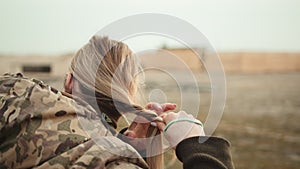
column 59, row 26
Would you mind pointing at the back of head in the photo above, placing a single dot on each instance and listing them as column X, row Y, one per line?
column 106, row 66
column 107, row 70
column 107, row 73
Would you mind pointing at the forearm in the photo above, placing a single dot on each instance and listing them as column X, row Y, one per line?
column 212, row 154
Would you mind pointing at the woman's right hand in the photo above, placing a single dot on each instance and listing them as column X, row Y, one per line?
column 180, row 126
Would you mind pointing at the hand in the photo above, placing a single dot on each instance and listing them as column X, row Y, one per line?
column 179, row 130
column 160, row 108
column 138, row 128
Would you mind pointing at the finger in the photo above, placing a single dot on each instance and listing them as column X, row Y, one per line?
column 149, row 105
column 169, row 117
column 158, row 118
column 168, row 106
column 154, row 106
column 160, row 125
column 163, row 115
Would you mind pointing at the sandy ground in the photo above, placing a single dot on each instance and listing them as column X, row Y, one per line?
column 261, row 119
column 261, row 115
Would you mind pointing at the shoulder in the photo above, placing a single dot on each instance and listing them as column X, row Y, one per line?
column 33, row 97
column 37, row 118
column 58, row 130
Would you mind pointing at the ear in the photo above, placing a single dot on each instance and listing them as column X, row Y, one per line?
column 69, row 83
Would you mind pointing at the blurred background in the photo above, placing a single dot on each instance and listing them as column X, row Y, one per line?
column 258, row 43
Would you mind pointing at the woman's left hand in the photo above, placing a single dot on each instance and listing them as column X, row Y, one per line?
column 160, row 108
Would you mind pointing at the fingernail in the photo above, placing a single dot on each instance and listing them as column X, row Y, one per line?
column 158, row 118
column 153, row 124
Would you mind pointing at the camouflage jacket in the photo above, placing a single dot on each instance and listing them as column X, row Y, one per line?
column 40, row 127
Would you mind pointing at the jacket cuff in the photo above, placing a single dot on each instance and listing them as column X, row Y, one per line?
column 212, row 150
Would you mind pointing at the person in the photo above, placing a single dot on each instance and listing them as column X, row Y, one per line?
column 192, row 147
column 42, row 127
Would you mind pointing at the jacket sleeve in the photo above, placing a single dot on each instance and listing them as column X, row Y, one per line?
column 41, row 127
column 204, row 152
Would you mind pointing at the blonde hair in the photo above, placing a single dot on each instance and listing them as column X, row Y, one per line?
column 154, row 151
column 106, row 71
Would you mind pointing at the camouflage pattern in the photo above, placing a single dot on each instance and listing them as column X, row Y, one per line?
column 40, row 128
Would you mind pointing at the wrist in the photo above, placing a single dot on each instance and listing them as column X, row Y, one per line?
column 182, row 129
column 182, row 120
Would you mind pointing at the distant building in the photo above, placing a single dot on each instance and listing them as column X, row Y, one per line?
column 172, row 59
column 260, row 62
column 240, row 62
column 41, row 66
